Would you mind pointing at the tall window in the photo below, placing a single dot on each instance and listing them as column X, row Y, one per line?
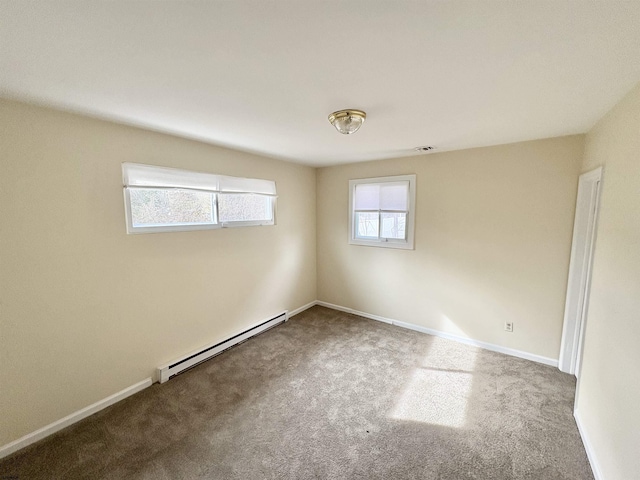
column 160, row 199
column 382, row 211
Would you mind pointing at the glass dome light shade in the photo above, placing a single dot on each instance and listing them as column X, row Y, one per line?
column 347, row 121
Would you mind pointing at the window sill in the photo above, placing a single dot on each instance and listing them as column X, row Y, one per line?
column 376, row 243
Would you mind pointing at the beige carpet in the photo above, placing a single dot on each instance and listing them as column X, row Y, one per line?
column 330, row 396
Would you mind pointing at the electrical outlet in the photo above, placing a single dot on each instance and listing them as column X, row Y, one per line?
column 508, row 327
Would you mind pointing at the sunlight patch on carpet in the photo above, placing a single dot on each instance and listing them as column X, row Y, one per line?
column 439, row 389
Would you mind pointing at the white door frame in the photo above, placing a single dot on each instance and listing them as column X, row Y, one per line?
column 579, row 283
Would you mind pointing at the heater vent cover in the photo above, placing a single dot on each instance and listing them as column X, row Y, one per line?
column 190, row 360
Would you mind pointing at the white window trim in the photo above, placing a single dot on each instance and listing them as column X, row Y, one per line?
column 209, row 179
column 385, row 243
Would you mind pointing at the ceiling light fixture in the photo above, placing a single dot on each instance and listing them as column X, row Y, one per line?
column 347, row 121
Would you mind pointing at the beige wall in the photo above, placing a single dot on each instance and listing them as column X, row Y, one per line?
column 493, row 239
column 609, row 387
column 87, row 310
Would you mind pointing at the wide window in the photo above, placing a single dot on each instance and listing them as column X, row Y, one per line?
column 382, row 211
column 160, row 199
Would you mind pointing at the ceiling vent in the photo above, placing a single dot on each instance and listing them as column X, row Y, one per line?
column 427, row 148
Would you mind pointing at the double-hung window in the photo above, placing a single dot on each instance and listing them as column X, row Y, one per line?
column 160, row 199
column 382, row 211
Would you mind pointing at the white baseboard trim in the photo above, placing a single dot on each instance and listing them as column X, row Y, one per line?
column 355, row 312
column 58, row 425
column 595, row 467
column 457, row 338
column 302, row 309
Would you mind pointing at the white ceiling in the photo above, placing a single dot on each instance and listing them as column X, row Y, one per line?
column 262, row 76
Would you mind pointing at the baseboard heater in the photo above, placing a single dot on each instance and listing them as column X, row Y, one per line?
column 205, row 353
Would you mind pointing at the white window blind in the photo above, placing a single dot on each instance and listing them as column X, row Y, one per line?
column 161, row 199
column 138, row 175
column 392, row 196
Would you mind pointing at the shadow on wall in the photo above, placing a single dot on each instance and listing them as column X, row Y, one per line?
column 286, row 274
column 397, row 284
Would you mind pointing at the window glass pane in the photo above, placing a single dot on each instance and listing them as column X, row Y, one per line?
column 157, row 207
column 244, row 207
column 366, row 224
column 394, row 225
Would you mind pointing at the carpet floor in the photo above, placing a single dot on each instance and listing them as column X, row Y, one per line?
column 330, row 395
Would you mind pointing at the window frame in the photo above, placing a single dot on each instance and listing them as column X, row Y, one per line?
column 185, row 227
column 408, row 243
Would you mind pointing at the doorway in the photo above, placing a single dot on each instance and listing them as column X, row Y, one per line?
column 582, row 247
